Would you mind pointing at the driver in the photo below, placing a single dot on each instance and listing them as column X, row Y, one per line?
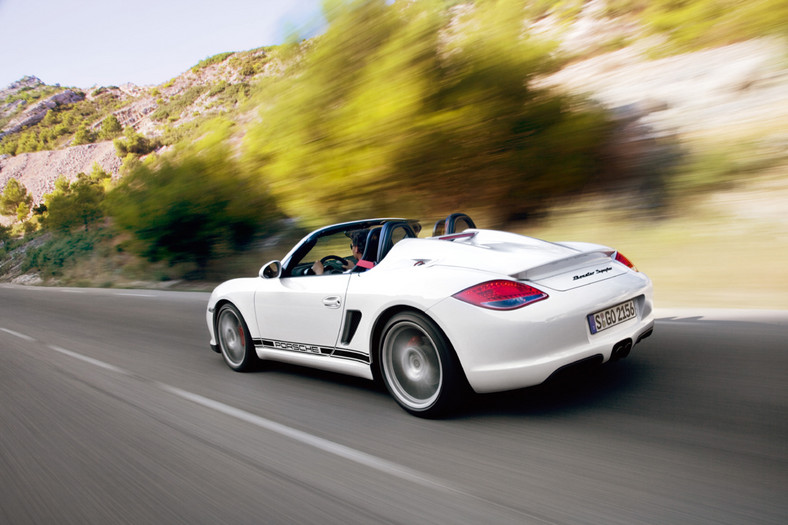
column 358, row 241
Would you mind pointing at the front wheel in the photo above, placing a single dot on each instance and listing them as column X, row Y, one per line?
column 234, row 340
column 419, row 367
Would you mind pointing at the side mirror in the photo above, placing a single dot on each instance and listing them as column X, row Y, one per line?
column 272, row 270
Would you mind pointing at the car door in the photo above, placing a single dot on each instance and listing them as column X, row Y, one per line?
column 303, row 310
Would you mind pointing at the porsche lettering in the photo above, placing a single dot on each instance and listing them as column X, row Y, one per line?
column 296, row 347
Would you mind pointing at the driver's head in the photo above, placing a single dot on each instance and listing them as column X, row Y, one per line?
column 358, row 241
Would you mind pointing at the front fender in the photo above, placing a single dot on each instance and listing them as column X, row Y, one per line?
column 239, row 292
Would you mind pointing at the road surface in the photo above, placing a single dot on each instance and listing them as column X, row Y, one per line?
column 114, row 410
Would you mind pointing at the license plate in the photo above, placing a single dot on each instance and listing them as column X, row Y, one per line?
column 612, row 316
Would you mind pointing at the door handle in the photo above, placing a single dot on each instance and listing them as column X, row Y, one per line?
column 332, row 302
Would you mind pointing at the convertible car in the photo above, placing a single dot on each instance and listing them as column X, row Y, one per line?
column 432, row 316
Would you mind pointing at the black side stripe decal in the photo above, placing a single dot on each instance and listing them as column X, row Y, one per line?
column 340, row 353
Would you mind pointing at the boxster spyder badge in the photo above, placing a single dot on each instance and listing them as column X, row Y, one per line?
column 433, row 317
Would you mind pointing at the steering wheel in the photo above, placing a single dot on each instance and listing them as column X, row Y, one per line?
column 334, row 263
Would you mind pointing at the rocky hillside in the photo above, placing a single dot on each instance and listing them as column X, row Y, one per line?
column 38, row 171
column 215, row 85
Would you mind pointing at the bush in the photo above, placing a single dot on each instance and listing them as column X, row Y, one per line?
column 190, row 210
column 215, row 59
column 110, row 128
column 176, row 105
column 60, row 253
column 83, row 135
column 134, row 143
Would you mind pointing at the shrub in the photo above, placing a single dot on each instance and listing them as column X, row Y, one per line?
column 215, row 59
column 62, row 252
column 189, row 210
column 110, row 128
column 134, row 143
column 83, row 135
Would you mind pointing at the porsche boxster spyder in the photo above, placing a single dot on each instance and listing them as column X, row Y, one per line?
column 464, row 309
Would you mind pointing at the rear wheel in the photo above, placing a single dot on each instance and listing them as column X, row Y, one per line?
column 234, row 340
column 419, row 367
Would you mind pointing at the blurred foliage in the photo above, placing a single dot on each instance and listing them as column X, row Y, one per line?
column 695, row 24
column 565, row 10
column 189, row 211
column 714, row 167
column 405, row 108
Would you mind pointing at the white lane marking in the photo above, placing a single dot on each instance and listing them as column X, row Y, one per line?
column 17, row 334
column 95, row 362
column 135, row 295
column 319, row 443
column 66, row 290
column 325, row 445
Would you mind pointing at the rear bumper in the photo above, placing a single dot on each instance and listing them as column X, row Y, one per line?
column 515, row 349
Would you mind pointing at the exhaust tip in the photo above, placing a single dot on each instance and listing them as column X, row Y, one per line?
column 621, row 349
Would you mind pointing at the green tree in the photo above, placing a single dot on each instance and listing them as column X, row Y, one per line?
column 9, row 145
column 110, row 128
column 75, row 205
column 15, row 198
column 5, row 234
column 22, row 211
column 134, row 143
column 83, row 135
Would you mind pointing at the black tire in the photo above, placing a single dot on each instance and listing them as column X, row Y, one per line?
column 234, row 340
column 419, row 367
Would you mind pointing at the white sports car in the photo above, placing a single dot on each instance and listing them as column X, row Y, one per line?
column 431, row 316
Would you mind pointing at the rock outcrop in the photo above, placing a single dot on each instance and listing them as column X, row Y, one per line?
column 36, row 113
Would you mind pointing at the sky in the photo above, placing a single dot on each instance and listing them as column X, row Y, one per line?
column 87, row 43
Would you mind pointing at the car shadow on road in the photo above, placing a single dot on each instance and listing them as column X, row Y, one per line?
column 325, row 378
column 573, row 389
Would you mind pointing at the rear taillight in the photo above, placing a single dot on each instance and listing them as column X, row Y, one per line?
column 501, row 294
column 623, row 260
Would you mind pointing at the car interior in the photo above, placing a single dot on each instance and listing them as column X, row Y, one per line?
column 329, row 246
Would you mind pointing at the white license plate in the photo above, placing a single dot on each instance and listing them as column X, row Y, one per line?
column 612, row 316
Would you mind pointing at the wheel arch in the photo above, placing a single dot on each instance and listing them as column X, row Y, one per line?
column 376, row 335
column 217, row 307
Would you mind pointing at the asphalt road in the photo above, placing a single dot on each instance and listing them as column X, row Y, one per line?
column 114, row 410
